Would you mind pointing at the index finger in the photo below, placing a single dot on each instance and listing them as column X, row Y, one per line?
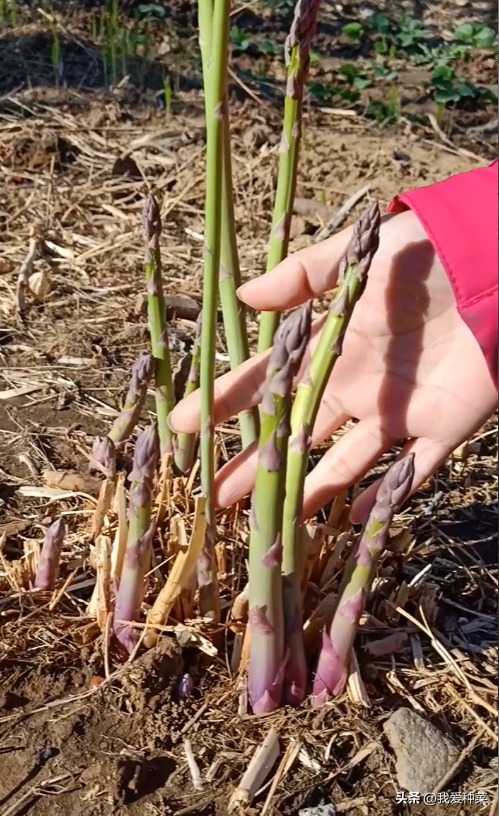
column 307, row 274
column 234, row 392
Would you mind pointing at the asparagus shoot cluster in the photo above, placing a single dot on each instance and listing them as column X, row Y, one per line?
column 48, row 567
column 332, row 670
column 265, row 595
column 140, row 538
column 297, row 52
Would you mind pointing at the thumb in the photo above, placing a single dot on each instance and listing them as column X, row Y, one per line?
column 428, row 456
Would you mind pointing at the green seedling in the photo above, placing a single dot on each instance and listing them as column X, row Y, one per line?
column 476, row 35
column 354, row 32
column 167, row 95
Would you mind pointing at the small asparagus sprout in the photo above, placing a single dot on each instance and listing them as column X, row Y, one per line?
column 233, row 310
column 332, row 671
column 185, row 444
column 165, row 399
column 352, row 280
column 266, row 662
column 104, row 455
column 140, row 538
column 297, row 52
column 142, row 372
column 216, row 85
column 46, row 574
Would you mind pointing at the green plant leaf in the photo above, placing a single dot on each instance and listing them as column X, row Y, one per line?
column 465, row 89
column 153, row 9
column 361, row 82
column 381, row 47
column 354, row 31
column 442, row 73
column 381, row 23
column 465, row 32
column 486, row 38
column 349, row 71
column 446, row 96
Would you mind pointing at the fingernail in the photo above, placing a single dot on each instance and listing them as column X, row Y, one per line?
column 240, row 291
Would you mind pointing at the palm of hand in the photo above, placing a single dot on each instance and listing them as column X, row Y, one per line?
column 410, row 369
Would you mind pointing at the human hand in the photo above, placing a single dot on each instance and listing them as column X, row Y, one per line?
column 411, row 371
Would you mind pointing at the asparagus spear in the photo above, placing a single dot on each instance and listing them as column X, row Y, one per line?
column 265, row 671
column 297, row 52
column 141, row 375
column 104, row 455
column 233, row 310
column 151, row 226
column 46, row 574
column 332, row 671
column 140, row 537
column 207, row 577
column 185, row 444
column 352, row 279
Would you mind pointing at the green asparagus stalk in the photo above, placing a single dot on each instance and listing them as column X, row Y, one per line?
column 215, row 91
column 233, row 310
column 138, row 552
column 151, row 226
column 332, row 671
column 352, row 280
column 186, row 444
column 46, row 574
column 297, row 53
column 266, row 661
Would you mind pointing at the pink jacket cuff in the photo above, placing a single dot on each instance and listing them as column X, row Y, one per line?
column 460, row 216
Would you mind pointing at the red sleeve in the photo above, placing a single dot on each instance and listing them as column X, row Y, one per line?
column 460, row 216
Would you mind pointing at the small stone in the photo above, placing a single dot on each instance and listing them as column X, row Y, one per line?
column 320, row 810
column 424, row 755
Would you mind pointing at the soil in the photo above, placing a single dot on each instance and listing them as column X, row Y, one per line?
column 74, row 161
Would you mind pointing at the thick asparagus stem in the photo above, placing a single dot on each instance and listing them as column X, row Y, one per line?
column 233, row 310
column 332, row 670
column 165, row 395
column 297, row 53
column 352, row 279
column 266, row 663
column 140, row 537
column 142, row 372
column 185, row 444
column 207, row 576
column 46, row 574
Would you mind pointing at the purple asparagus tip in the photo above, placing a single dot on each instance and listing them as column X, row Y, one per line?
column 364, row 242
column 142, row 371
column 396, row 485
column 151, row 219
column 48, row 567
column 303, row 28
column 146, row 455
column 104, row 454
column 290, row 341
column 185, row 687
